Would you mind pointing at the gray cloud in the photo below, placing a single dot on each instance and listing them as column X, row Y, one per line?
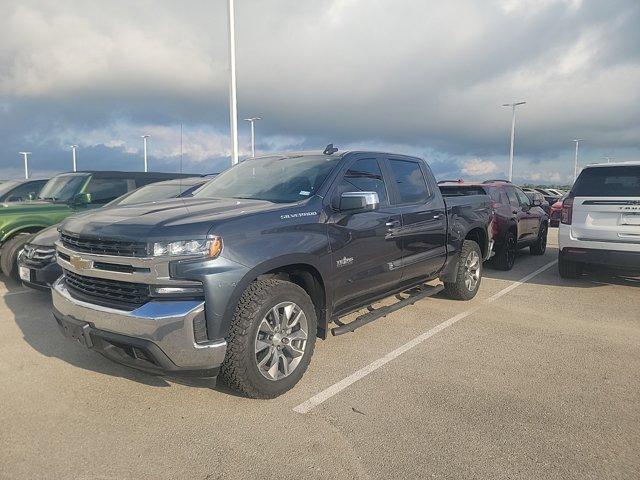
column 423, row 77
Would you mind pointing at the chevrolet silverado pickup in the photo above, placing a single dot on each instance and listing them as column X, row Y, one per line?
column 239, row 280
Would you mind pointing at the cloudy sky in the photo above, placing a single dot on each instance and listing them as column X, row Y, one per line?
column 418, row 77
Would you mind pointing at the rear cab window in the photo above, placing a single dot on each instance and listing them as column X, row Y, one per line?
column 617, row 181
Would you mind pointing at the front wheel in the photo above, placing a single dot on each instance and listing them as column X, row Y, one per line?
column 271, row 339
column 9, row 254
column 469, row 274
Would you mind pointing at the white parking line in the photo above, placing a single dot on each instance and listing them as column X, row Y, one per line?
column 336, row 388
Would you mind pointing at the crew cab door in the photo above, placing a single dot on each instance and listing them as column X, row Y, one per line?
column 424, row 221
column 366, row 250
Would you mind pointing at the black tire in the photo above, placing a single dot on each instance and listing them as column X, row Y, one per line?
column 505, row 257
column 460, row 289
column 540, row 246
column 9, row 254
column 239, row 369
column 567, row 268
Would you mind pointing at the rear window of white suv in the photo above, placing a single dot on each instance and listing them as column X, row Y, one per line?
column 617, row 181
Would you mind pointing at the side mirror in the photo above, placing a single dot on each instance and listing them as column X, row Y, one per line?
column 81, row 199
column 31, row 196
column 359, row 201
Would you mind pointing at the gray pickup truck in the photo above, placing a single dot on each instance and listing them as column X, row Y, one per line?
column 239, row 280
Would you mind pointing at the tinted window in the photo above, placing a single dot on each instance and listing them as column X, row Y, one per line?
column 63, row 187
column 364, row 175
column 511, row 195
column 22, row 192
column 409, row 181
column 275, row 179
column 522, row 197
column 619, row 181
column 460, row 190
column 104, row 190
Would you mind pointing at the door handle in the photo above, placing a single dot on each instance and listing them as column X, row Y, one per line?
column 392, row 223
column 437, row 216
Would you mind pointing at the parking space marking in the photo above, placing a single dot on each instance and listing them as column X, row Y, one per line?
column 336, row 388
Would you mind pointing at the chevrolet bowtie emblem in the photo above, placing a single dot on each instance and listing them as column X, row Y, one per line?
column 80, row 263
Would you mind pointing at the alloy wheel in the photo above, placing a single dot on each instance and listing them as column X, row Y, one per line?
column 472, row 266
column 281, row 341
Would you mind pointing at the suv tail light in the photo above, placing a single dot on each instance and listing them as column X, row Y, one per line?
column 567, row 211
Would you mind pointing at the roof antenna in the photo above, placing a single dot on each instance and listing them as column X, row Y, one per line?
column 330, row 149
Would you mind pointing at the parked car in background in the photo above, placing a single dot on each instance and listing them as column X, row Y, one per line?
column 63, row 195
column 539, row 198
column 548, row 196
column 557, row 192
column 37, row 267
column 518, row 222
column 600, row 221
column 556, row 211
column 20, row 190
column 240, row 278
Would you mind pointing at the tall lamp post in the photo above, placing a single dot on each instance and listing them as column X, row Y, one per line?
column 73, row 156
column 575, row 161
column 144, row 141
column 252, row 120
column 233, row 106
column 513, row 133
column 26, row 163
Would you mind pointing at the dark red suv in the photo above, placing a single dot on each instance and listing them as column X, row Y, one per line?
column 518, row 221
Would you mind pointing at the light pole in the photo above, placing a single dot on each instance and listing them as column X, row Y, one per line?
column 233, row 106
column 607, row 158
column 513, row 133
column 252, row 120
column 575, row 163
column 73, row 155
column 144, row 142
column 26, row 163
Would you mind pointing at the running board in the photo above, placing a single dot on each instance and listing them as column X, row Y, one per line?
column 414, row 294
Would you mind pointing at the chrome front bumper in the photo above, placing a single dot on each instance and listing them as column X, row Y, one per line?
column 168, row 325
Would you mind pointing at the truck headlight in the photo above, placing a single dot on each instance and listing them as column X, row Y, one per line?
column 210, row 247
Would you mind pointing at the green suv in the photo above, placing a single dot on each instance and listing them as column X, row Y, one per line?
column 64, row 195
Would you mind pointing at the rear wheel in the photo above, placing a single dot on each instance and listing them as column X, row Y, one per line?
column 9, row 254
column 271, row 339
column 540, row 246
column 506, row 256
column 469, row 274
column 567, row 268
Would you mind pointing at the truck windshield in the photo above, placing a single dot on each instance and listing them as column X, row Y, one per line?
column 62, row 187
column 275, row 179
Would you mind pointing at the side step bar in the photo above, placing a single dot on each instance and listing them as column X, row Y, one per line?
column 414, row 294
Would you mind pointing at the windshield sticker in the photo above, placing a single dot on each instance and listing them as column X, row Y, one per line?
column 297, row 215
column 305, row 193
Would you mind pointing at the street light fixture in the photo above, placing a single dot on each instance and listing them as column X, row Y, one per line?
column 73, row 155
column 252, row 120
column 26, row 163
column 144, row 141
column 233, row 106
column 513, row 133
column 575, row 162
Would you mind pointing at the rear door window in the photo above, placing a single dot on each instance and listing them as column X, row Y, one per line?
column 522, row 197
column 104, row 190
column 513, row 198
column 410, row 181
column 618, row 181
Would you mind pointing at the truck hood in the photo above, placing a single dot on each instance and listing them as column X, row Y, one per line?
column 46, row 237
column 167, row 219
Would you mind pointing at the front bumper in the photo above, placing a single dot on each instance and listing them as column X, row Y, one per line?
column 42, row 277
column 157, row 337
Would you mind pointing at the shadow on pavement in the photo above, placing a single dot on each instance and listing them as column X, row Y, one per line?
column 41, row 332
column 591, row 278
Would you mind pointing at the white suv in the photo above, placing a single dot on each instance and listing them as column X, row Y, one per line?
column 600, row 221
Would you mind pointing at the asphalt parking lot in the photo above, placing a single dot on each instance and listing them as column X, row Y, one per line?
column 529, row 380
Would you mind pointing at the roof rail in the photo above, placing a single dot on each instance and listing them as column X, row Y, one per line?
column 497, row 180
column 451, row 181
